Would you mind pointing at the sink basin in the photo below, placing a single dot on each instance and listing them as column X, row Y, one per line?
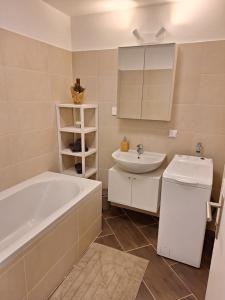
column 147, row 162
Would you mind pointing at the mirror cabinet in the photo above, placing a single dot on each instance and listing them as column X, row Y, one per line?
column 146, row 81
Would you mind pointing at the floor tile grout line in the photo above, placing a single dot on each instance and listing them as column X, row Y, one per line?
column 185, row 284
column 172, row 264
column 138, row 248
column 164, row 259
column 149, row 289
column 151, row 244
column 101, row 236
column 188, row 288
column 142, row 226
column 113, row 217
column 183, row 298
column 136, row 227
column 149, row 240
column 169, row 266
column 115, row 236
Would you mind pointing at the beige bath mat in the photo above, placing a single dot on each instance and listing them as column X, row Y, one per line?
column 103, row 273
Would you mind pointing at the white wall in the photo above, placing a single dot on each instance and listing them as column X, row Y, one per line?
column 38, row 20
column 185, row 21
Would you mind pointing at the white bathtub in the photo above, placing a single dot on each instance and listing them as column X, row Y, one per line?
column 28, row 208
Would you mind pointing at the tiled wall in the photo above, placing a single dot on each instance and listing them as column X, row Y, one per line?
column 33, row 77
column 198, row 110
column 37, row 270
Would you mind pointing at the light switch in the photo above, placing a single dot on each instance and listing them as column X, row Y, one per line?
column 172, row 133
column 114, row 111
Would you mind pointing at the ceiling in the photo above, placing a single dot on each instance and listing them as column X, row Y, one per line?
column 85, row 7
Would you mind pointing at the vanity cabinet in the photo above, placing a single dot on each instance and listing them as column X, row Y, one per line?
column 141, row 191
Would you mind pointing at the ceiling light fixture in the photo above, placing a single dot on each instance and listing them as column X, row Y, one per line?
column 151, row 37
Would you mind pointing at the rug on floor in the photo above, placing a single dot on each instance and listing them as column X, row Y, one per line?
column 103, row 273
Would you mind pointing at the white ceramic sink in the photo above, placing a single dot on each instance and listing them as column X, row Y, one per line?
column 146, row 162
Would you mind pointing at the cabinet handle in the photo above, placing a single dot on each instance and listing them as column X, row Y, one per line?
column 129, row 178
column 134, row 178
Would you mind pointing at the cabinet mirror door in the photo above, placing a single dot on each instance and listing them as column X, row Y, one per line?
column 130, row 82
column 158, row 82
column 145, row 82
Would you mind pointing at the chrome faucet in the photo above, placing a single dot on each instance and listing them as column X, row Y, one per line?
column 198, row 149
column 140, row 149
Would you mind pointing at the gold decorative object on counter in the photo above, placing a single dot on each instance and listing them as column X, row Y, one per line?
column 124, row 145
column 77, row 92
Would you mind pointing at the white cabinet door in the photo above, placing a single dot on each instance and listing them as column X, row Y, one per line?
column 145, row 193
column 119, row 189
column 216, row 286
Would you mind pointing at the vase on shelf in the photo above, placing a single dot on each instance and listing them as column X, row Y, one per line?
column 77, row 92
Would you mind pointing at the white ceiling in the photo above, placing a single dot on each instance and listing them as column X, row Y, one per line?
column 85, row 7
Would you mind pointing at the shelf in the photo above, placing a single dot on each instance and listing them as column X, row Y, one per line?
column 88, row 172
column 89, row 129
column 67, row 151
column 78, row 130
column 77, row 105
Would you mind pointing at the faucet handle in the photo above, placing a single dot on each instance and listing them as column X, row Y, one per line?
column 140, row 146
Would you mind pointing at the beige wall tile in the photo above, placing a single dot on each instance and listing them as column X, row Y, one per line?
column 32, row 144
column 18, row 172
column 189, row 62
column 186, row 92
column 1, row 36
column 212, row 89
column 213, row 60
column 31, row 82
column 186, row 117
column 2, row 84
column 211, row 119
column 59, row 61
column 60, row 89
column 107, row 89
column 85, row 64
column 50, row 249
column 23, row 52
column 107, row 62
column 12, row 282
column 5, row 151
column 27, row 116
column 27, row 85
column 4, row 118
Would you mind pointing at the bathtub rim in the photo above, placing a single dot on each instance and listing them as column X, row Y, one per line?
column 15, row 251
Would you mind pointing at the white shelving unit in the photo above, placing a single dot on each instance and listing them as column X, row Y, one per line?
column 67, row 116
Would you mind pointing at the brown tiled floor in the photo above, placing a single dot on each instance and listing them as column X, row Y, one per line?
column 164, row 279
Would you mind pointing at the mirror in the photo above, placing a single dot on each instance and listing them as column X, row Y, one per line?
column 145, row 81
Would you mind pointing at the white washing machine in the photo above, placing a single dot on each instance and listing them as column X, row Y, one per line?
column 186, row 187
